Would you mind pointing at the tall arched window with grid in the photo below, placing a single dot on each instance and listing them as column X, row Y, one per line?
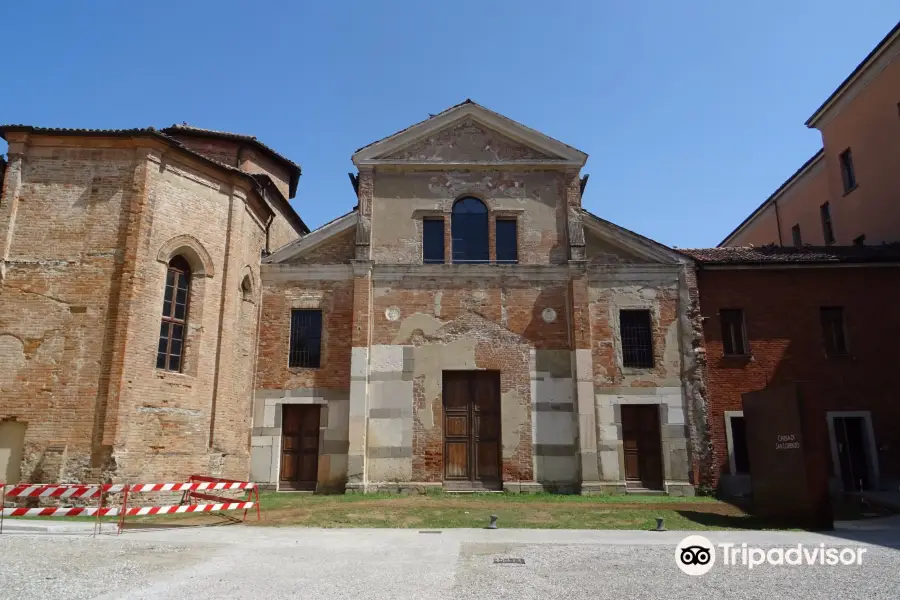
column 170, row 352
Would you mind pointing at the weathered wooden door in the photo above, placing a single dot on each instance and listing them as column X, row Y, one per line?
column 299, row 446
column 472, row 429
column 642, row 445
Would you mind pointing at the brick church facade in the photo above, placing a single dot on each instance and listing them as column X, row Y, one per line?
column 467, row 325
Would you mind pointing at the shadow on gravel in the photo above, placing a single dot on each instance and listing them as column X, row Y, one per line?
column 708, row 519
column 880, row 531
column 163, row 525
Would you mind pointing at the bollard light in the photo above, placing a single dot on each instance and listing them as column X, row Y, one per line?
column 659, row 524
column 493, row 524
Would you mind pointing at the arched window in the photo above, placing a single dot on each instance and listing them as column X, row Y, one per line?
column 247, row 289
column 174, row 315
column 469, row 229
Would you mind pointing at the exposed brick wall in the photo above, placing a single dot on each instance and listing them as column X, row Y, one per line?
column 781, row 312
column 605, row 305
column 335, row 299
column 252, row 161
column 503, row 318
column 56, row 298
column 224, row 151
column 339, row 249
column 82, row 314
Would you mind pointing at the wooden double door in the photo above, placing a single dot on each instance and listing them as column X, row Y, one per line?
column 472, row 451
column 642, row 441
column 299, row 446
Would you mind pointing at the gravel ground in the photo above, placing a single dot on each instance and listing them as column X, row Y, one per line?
column 291, row 562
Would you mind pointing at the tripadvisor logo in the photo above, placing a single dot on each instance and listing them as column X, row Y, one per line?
column 696, row 555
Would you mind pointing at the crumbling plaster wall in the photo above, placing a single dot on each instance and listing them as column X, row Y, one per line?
column 425, row 326
column 403, row 198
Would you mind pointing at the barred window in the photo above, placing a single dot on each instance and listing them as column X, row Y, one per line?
column 637, row 338
column 170, row 350
column 306, row 338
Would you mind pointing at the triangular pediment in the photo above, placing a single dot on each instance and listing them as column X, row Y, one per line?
column 469, row 134
column 608, row 243
column 331, row 243
column 467, row 140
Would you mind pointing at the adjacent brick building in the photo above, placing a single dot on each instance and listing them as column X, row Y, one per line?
column 96, row 227
column 470, row 325
column 822, row 318
column 846, row 193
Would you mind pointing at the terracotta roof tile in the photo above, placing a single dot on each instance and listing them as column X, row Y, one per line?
column 769, row 255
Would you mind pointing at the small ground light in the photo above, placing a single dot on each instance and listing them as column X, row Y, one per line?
column 659, row 524
column 493, row 523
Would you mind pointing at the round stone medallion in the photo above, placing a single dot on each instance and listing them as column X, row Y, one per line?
column 392, row 313
column 549, row 315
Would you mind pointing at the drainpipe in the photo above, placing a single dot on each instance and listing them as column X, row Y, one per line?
column 268, row 224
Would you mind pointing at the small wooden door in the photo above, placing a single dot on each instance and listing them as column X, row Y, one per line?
column 472, row 429
column 299, row 446
column 642, row 444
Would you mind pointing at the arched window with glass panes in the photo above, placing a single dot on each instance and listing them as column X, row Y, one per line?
column 469, row 231
column 170, row 352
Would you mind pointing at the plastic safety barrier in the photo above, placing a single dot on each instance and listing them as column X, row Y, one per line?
column 193, row 491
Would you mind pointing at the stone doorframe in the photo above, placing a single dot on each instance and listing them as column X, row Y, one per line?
column 267, row 422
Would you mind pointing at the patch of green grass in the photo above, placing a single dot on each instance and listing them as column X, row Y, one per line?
column 549, row 511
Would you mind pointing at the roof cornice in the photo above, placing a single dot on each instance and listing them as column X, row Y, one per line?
column 882, row 55
column 799, row 174
column 567, row 155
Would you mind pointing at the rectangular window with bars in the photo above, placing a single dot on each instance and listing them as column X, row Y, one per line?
column 733, row 332
column 306, row 339
column 637, row 338
column 833, row 330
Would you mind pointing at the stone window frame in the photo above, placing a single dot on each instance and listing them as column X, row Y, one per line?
column 445, row 211
column 321, row 302
column 202, row 274
column 658, row 353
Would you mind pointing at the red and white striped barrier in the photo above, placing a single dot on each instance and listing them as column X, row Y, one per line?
column 134, row 511
column 184, row 487
column 63, row 490
column 92, row 491
column 190, row 494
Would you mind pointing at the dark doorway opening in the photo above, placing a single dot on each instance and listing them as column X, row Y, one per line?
column 850, row 437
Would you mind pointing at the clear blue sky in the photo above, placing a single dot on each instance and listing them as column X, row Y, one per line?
column 692, row 112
